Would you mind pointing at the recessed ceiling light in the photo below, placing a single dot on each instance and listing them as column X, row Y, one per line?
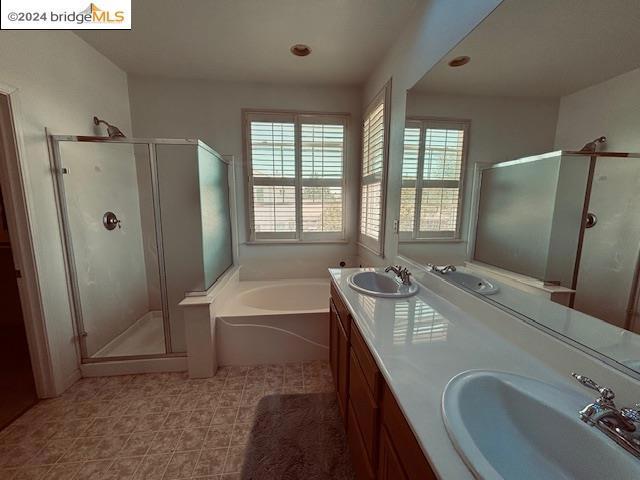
column 300, row 50
column 459, row 61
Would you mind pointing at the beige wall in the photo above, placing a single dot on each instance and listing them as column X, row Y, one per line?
column 501, row 129
column 211, row 111
column 62, row 83
column 436, row 27
column 610, row 108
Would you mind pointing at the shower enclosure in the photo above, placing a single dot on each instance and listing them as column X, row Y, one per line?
column 568, row 219
column 145, row 222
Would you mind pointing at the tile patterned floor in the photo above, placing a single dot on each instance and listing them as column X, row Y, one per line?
column 153, row 426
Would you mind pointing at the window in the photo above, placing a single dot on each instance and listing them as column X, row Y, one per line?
column 373, row 173
column 295, row 176
column 432, row 174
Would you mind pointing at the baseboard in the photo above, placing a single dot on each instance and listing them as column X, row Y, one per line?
column 128, row 367
column 72, row 378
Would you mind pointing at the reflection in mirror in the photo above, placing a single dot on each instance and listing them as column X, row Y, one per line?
column 521, row 168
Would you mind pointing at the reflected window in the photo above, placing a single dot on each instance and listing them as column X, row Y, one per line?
column 417, row 322
column 432, row 175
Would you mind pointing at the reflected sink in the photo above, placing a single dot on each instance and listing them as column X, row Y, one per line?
column 379, row 284
column 507, row 426
column 472, row 282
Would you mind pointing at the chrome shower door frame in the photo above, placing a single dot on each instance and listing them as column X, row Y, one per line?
column 59, row 171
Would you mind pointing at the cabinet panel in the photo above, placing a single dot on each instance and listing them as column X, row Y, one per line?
column 359, row 457
column 343, row 312
column 343, row 371
column 365, row 408
column 366, row 361
column 389, row 467
column 333, row 341
column 403, row 440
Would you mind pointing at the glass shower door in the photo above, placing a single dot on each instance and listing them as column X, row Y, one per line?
column 107, row 199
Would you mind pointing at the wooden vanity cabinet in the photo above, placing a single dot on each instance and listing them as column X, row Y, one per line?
column 381, row 442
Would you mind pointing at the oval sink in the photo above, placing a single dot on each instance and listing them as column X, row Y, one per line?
column 380, row 285
column 507, row 426
column 472, row 282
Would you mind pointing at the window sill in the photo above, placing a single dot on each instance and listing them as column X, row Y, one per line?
column 296, row 242
column 434, row 240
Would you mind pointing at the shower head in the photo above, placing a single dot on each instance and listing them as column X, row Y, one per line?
column 591, row 147
column 112, row 130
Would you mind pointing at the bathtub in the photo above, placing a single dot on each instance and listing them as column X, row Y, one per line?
column 273, row 322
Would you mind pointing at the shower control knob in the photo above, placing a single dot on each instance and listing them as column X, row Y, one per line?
column 110, row 221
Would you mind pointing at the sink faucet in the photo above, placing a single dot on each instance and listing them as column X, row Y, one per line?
column 401, row 272
column 621, row 425
column 442, row 270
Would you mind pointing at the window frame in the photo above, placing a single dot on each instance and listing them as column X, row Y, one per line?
column 297, row 118
column 427, row 236
column 376, row 246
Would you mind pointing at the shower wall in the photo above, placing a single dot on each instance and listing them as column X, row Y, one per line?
column 530, row 214
column 196, row 225
column 110, row 265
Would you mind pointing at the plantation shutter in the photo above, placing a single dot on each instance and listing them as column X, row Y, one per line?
column 374, row 158
column 322, row 154
column 296, row 176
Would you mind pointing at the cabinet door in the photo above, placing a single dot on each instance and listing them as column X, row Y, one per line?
column 389, row 466
column 333, row 341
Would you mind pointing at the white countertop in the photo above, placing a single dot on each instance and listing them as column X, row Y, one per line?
column 617, row 343
column 419, row 344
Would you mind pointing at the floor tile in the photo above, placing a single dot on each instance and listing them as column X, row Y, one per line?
column 181, row 465
column 211, row 462
column 235, row 457
column 152, row 467
column 191, row 439
column 165, row 441
column 63, row 471
column 151, row 426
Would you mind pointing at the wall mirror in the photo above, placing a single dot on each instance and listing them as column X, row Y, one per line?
column 521, row 168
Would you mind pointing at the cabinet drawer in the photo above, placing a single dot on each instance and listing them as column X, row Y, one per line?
column 365, row 408
column 359, row 456
column 367, row 363
column 343, row 312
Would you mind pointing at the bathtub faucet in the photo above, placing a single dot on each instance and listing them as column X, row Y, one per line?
column 402, row 273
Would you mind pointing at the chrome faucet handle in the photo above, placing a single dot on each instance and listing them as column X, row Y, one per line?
column 632, row 414
column 405, row 275
column 605, row 393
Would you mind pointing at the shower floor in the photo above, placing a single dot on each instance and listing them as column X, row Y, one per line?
column 144, row 337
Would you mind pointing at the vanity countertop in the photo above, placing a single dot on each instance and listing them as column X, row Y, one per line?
column 419, row 344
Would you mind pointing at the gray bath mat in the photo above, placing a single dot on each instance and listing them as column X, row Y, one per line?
column 297, row 437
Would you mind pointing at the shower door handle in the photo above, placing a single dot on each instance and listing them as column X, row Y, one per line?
column 110, row 221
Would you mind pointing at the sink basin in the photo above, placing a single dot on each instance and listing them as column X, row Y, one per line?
column 472, row 282
column 507, row 426
column 379, row 284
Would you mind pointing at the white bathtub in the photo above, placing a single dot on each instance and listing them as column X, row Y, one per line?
column 273, row 322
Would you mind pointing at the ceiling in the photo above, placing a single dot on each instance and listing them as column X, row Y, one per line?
column 542, row 48
column 249, row 40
